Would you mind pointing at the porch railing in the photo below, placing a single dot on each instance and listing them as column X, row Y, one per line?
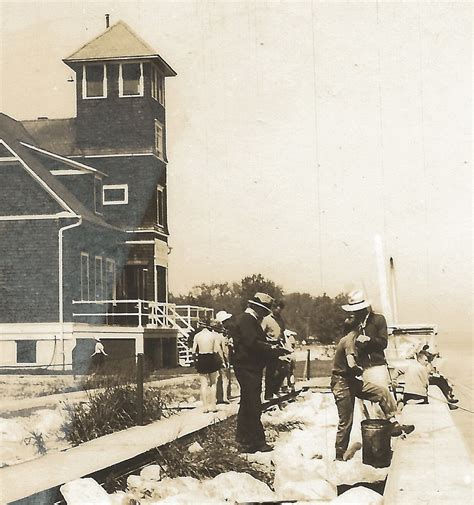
column 146, row 314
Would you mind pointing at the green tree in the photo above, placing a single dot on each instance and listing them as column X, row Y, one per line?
column 257, row 283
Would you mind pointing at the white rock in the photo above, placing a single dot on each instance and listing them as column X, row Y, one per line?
column 120, row 498
column 179, row 485
column 358, row 495
column 151, row 472
column 188, row 498
column 47, row 420
column 195, row 447
column 238, row 487
column 12, row 430
column 134, row 482
column 311, row 489
column 81, row 491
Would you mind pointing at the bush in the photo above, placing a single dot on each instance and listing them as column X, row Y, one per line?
column 220, row 454
column 110, row 410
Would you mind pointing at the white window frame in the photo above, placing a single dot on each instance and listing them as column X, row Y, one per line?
column 98, row 259
column 84, row 83
column 160, row 146
column 160, row 190
column 140, row 82
column 124, row 201
column 85, row 255
column 157, row 85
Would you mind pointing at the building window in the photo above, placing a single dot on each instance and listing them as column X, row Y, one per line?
column 131, row 79
column 84, row 276
column 157, row 85
column 159, row 143
column 26, row 351
column 115, row 194
column 110, row 279
column 160, row 205
column 94, row 81
column 98, row 279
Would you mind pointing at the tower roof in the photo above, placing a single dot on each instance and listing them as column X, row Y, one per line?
column 118, row 42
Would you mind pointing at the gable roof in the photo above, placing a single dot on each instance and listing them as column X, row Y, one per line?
column 13, row 133
column 116, row 43
column 55, row 135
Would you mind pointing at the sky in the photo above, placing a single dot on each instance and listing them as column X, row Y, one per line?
column 297, row 133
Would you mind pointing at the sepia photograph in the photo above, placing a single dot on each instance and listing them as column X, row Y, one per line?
column 236, row 252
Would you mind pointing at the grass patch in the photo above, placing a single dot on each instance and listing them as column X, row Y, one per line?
column 220, row 454
column 112, row 409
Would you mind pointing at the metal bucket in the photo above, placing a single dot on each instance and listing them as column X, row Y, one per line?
column 376, row 438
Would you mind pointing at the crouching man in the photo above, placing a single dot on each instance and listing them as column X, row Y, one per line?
column 346, row 386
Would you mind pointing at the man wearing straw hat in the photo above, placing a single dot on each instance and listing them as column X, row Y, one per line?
column 251, row 353
column 371, row 341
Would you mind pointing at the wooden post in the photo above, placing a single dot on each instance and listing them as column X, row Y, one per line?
column 140, row 389
column 308, row 365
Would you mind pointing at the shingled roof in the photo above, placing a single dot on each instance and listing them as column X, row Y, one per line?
column 13, row 133
column 117, row 42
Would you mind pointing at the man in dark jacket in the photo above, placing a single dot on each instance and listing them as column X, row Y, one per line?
column 251, row 353
column 371, row 341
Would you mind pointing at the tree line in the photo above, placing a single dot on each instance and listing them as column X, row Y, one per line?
column 319, row 317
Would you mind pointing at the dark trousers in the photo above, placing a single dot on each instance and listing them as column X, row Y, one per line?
column 250, row 430
column 275, row 373
column 412, row 396
column 345, row 392
column 443, row 384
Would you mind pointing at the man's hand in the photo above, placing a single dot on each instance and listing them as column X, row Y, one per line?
column 286, row 358
column 362, row 338
column 357, row 371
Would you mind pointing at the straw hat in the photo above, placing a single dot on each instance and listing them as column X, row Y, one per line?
column 262, row 300
column 222, row 316
column 356, row 301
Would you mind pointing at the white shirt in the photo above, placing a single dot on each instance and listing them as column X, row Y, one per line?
column 416, row 378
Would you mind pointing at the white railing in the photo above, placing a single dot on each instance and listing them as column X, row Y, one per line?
column 144, row 313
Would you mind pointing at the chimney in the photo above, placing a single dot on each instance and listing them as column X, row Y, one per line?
column 107, row 20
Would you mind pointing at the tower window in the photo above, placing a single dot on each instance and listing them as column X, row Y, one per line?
column 94, row 81
column 115, row 194
column 159, row 139
column 157, row 85
column 131, row 79
column 160, row 206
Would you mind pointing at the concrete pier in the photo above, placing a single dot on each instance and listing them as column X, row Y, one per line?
column 432, row 465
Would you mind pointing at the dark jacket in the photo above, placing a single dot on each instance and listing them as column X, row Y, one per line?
column 251, row 349
column 371, row 353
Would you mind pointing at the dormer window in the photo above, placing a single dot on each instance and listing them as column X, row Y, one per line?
column 131, row 79
column 94, row 81
column 157, row 85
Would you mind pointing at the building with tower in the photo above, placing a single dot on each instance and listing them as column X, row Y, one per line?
column 84, row 221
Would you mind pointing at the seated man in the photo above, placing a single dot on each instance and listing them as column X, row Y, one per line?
column 346, row 386
column 416, row 379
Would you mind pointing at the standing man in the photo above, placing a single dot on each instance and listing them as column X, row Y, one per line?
column 251, row 353
column 371, row 341
column 223, row 319
column 273, row 325
column 346, row 386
